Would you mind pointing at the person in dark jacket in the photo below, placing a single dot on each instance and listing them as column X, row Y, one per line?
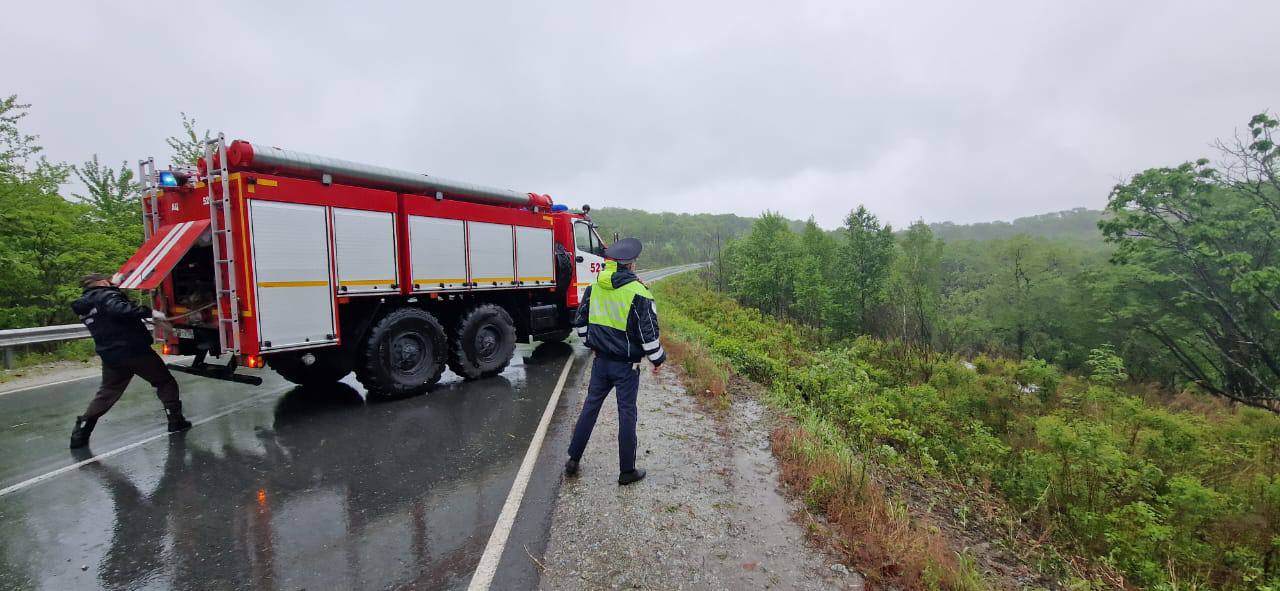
column 124, row 344
column 619, row 320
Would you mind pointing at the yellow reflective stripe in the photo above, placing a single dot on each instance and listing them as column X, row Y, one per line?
column 269, row 284
column 366, row 282
column 244, row 244
column 439, row 280
column 492, row 279
column 267, row 182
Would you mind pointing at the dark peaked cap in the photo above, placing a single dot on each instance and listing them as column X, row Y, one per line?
column 625, row 250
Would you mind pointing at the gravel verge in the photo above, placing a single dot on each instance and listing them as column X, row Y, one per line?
column 710, row 514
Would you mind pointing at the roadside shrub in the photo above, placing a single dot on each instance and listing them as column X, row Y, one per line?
column 1105, row 367
column 700, row 372
column 1038, row 376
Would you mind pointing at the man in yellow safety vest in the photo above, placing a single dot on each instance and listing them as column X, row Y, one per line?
column 619, row 321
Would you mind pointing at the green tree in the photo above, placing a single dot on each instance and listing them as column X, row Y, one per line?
column 812, row 293
column 1105, row 367
column 916, row 284
column 1025, row 299
column 867, row 254
column 816, row 274
column 46, row 242
column 113, row 199
column 188, row 146
column 112, row 193
column 764, row 266
column 1207, row 247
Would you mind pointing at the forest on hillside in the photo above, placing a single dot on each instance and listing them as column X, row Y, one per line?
column 679, row 238
column 671, row 238
column 1079, row 224
column 1184, row 285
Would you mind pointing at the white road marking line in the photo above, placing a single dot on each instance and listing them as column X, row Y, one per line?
column 488, row 567
column 119, row 450
column 25, row 388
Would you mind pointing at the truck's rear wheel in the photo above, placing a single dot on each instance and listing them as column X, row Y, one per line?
column 404, row 353
column 483, row 343
column 327, row 366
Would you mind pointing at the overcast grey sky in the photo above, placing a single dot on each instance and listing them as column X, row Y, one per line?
column 933, row 110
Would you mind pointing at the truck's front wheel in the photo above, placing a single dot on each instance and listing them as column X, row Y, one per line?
column 404, row 353
column 484, row 343
column 326, row 366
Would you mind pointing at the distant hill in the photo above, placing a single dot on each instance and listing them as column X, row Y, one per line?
column 1073, row 224
column 677, row 238
column 671, row 238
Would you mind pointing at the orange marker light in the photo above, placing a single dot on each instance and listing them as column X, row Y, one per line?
column 254, row 361
column 262, row 497
column 167, row 349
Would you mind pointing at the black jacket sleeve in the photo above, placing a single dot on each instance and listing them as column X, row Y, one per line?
column 584, row 313
column 117, row 305
column 645, row 312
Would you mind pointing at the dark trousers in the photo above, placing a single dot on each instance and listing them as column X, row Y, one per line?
column 116, row 376
column 607, row 375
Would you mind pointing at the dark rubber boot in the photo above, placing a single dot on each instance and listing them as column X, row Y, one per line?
column 633, row 476
column 571, row 467
column 177, row 422
column 80, row 434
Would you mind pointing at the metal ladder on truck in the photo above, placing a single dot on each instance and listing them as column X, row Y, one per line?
column 220, row 224
column 150, row 180
column 150, row 197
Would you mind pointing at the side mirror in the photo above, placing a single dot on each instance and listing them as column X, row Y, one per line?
column 579, row 258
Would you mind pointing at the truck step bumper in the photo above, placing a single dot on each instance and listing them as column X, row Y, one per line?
column 217, row 372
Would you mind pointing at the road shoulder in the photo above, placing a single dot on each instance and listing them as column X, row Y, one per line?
column 47, row 374
column 709, row 515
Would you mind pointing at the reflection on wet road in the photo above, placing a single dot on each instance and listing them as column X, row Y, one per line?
column 303, row 488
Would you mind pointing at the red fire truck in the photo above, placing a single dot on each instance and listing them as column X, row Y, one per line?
column 318, row 267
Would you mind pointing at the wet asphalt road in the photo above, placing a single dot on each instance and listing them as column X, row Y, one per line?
column 285, row 487
column 299, row 488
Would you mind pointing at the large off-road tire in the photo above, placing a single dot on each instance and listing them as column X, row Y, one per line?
column 330, row 365
column 403, row 354
column 483, row 343
column 554, row 337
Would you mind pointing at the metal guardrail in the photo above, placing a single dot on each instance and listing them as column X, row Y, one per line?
column 16, row 337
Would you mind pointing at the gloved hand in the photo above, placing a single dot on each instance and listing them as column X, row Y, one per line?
column 158, row 316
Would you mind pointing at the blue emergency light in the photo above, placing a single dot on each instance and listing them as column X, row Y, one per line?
column 173, row 178
column 559, row 207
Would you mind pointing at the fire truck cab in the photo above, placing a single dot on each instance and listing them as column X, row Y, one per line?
column 318, row 267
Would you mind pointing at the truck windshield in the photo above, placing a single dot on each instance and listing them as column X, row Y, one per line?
column 587, row 240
